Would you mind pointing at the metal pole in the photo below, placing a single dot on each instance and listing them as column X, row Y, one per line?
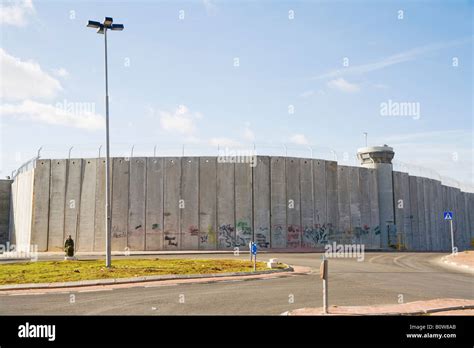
column 452, row 236
column 154, row 151
column 255, row 263
column 365, row 134
column 39, row 151
column 108, row 242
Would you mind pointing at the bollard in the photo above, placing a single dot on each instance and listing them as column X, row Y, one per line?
column 323, row 271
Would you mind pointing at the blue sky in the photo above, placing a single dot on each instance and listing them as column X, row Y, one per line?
column 309, row 73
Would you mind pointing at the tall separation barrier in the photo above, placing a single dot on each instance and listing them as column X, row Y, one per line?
column 206, row 203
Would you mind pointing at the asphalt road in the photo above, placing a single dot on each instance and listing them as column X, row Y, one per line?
column 380, row 279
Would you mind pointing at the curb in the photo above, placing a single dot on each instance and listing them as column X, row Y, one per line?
column 95, row 282
column 417, row 312
column 445, row 260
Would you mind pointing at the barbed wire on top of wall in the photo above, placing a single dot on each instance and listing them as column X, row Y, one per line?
column 190, row 149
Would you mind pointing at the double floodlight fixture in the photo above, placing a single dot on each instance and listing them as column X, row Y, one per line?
column 108, row 24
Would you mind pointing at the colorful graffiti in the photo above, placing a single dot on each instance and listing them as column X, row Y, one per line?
column 293, row 237
column 243, row 234
column 377, row 230
column 314, row 236
column 208, row 238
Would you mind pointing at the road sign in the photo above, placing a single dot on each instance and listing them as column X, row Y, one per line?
column 253, row 249
column 448, row 215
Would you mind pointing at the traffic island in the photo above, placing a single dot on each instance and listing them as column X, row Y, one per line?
column 446, row 306
column 61, row 274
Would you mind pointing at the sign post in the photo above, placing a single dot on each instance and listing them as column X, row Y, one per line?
column 448, row 215
column 323, row 271
column 253, row 251
column 250, row 249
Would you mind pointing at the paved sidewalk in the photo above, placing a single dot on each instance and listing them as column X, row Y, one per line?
column 437, row 306
column 463, row 260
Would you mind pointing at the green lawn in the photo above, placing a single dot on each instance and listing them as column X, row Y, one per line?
column 62, row 271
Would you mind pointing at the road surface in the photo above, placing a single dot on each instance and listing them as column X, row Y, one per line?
column 382, row 278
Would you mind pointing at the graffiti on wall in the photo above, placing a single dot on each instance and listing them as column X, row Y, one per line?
column 207, row 238
column 243, row 234
column 360, row 232
column 293, row 237
column 261, row 237
column 376, row 230
column 193, row 230
column 225, row 236
column 314, row 236
column 278, row 237
column 118, row 232
column 171, row 241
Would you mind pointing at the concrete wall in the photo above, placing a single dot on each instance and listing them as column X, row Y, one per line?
column 425, row 228
column 21, row 208
column 5, row 195
column 200, row 203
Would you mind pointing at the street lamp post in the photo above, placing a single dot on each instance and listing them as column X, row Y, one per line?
column 102, row 29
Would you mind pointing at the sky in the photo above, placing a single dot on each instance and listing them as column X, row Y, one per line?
column 283, row 77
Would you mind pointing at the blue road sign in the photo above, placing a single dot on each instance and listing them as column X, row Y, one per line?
column 253, row 249
column 448, row 215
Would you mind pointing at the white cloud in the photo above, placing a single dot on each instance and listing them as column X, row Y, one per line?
column 307, row 94
column 224, row 142
column 398, row 58
column 182, row 120
column 56, row 115
column 61, row 72
column 25, row 79
column 299, row 139
column 16, row 12
column 343, row 85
